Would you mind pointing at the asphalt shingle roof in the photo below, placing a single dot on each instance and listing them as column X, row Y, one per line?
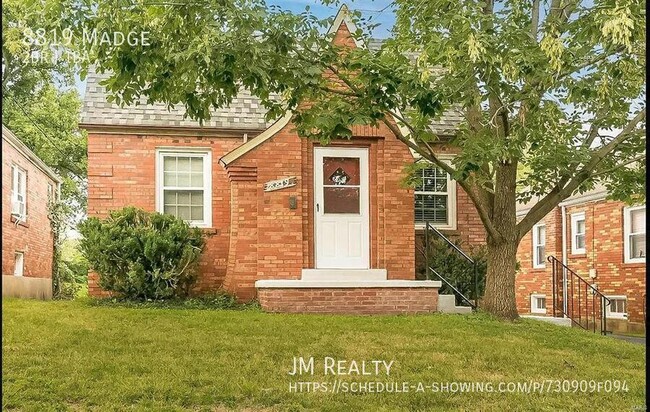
column 245, row 112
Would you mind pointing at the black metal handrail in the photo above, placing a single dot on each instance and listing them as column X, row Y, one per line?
column 573, row 283
column 428, row 227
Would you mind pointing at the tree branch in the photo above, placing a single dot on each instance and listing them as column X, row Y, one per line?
column 620, row 165
column 567, row 186
column 534, row 21
column 431, row 157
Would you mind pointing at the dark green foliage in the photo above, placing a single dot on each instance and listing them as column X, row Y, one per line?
column 142, row 255
column 456, row 269
column 218, row 301
column 67, row 281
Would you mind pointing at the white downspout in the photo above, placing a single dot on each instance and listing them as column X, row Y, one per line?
column 564, row 261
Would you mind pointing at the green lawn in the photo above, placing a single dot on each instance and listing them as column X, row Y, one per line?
column 74, row 356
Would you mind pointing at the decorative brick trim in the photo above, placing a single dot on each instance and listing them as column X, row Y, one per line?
column 242, row 173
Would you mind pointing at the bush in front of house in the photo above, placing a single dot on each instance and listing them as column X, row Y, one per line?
column 456, row 269
column 142, row 255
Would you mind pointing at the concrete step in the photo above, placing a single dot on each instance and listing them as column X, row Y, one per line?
column 344, row 275
column 447, row 304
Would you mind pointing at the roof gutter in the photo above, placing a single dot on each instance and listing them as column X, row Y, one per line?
column 22, row 148
column 584, row 198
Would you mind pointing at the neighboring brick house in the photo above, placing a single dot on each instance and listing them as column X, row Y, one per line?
column 299, row 226
column 27, row 239
column 603, row 241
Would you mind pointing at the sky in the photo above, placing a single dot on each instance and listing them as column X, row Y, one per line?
column 380, row 11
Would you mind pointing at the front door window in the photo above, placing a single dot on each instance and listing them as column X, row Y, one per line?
column 341, row 185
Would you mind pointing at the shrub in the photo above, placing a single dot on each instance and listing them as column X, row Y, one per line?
column 455, row 269
column 142, row 255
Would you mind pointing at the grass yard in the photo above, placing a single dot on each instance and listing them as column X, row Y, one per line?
column 74, row 356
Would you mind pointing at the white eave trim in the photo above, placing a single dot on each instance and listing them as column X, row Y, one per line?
column 302, row 284
column 584, row 198
column 343, row 16
column 256, row 141
column 14, row 141
column 576, row 200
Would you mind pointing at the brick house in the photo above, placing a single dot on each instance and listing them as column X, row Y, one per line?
column 603, row 241
column 299, row 226
column 27, row 239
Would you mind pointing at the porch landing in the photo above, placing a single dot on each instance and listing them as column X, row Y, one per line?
column 348, row 292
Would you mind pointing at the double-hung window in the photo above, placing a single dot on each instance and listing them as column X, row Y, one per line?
column 184, row 185
column 435, row 198
column 19, row 192
column 539, row 246
column 634, row 234
column 578, row 231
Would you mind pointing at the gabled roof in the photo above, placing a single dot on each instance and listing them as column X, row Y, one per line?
column 245, row 113
column 9, row 137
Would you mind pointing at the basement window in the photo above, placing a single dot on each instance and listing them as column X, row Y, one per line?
column 538, row 303
column 184, row 183
column 617, row 309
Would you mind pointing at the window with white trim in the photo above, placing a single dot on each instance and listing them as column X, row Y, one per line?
column 19, row 192
column 634, row 234
column 184, row 182
column 578, row 233
column 19, row 264
column 539, row 246
column 617, row 309
column 435, row 198
column 537, row 303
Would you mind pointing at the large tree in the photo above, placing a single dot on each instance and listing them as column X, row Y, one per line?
column 39, row 101
column 557, row 86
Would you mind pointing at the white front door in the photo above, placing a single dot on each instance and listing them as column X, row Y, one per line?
column 341, row 208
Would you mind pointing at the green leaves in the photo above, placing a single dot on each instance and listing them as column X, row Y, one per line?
column 523, row 84
column 141, row 255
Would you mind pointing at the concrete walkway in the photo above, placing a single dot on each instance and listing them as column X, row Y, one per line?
column 639, row 340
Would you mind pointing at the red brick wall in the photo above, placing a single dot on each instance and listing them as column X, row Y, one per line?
column 256, row 235
column 34, row 237
column 531, row 280
column 350, row 300
column 283, row 242
column 604, row 253
column 121, row 172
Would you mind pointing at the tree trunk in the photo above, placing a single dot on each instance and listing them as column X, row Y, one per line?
column 499, row 296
